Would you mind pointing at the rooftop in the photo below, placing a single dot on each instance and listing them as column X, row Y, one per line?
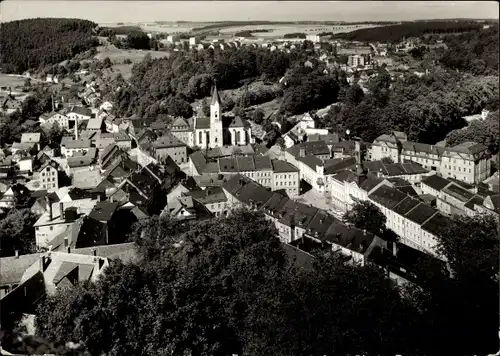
column 435, row 182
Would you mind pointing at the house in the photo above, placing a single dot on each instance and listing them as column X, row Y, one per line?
column 493, row 182
column 213, row 199
column 86, row 179
column 95, row 124
column 41, row 204
column 32, row 138
column 80, row 164
column 170, row 145
column 185, row 207
column 122, row 140
column 61, row 216
column 70, row 147
column 8, row 199
column 468, row 161
column 143, row 189
column 78, row 113
column 109, row 154
column 48, row 273
column 48, row 176
column 9, row 104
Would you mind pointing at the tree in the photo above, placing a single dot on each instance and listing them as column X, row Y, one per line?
column 27, row 83
column 367, row 216
column 280, row 141
column 30, row 44
column 17, row 232
column 192, row 296
column 258, row 115
column 387, row 160
column 137, row 40
column 54, row 135
column 106, row 63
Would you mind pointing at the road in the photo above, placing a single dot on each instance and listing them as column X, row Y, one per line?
column 320, row 201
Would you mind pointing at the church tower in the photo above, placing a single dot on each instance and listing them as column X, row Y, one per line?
column 216, row 130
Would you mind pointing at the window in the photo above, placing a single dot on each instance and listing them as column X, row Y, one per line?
column 51, row 228
column 43, row 174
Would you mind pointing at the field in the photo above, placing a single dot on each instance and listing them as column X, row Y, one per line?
column 172, row 27
column 11, row 81
column 278, row 30
column 119, row 55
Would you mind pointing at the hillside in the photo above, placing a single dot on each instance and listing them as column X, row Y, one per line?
column 35, row 43
column 395, row 33
column 474, row 52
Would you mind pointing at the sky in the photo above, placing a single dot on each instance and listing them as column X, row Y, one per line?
column 148, row 11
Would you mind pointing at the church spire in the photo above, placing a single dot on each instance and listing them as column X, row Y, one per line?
column 215, row 96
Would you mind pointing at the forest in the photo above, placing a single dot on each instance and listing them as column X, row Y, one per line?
column 426, row 108
column 225, row 286
column 473, row 52
column 31, row 44
column 395, row 33
column 189, row 76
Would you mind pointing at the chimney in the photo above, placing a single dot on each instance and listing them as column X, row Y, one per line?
column 49, row 207
column 364, row 232
column 76, row 129
column 394, row 248
column 302, row 152
column 94, row 252
column 61, row 210
column 16, row 253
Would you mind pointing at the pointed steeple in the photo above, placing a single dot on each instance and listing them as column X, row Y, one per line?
column 215, row 96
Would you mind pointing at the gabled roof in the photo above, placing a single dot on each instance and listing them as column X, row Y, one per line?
column 202, row 123
column 77, row 144
column 86, row 179
column 208, row 195
column 103, row 211
column 238, row 122
column 435, row 182
column 215, row 96
column 405, row 206
column 387, row 196
column 420, row 213
column 168, row 140
column 30, row 137
column 280, row 166
column 94, row 123
column 458, row 192
column 311, row 148
column 199, row 161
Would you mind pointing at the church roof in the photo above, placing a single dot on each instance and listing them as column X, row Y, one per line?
column 215, row 96
column 203, row 123
column 238, row 122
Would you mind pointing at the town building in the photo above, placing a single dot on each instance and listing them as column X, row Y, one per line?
column 214, row 131
column 468, row 161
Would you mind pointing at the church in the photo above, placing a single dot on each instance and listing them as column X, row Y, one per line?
column 214, row 131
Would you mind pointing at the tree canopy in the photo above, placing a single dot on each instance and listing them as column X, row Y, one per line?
column 31, row 43
column 225, row 286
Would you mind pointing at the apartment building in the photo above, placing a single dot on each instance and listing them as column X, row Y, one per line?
column 356, row 60
column 297, row 223
column 455, row 199
column 407, row 216
column 468, row 161
column 70, row 147
column 273, row 174
column 47, row 176
column 169, row 145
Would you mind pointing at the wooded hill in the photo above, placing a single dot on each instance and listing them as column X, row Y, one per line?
column 34, row 43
